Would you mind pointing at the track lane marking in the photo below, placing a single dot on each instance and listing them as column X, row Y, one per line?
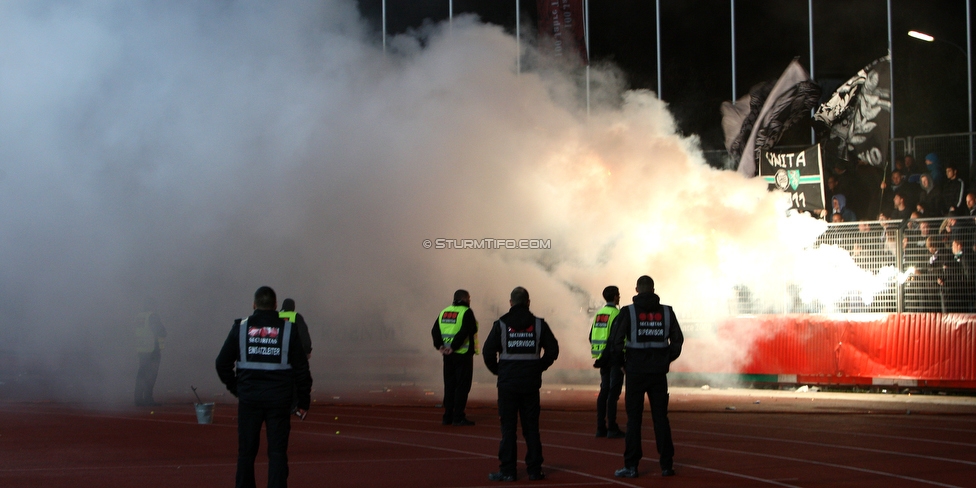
column 553, row 445
column 818, row 444
column 458, row 451
column 831, row 446
column 821, row 463
column 743, row 452
column 865, row 434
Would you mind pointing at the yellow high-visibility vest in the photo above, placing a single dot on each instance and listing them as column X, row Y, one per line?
column 600, row 329
column 449, row 322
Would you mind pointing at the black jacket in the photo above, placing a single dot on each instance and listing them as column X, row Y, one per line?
column 469, row 327
column 302, row 328
column 284, row 388
column 519, row 374
column 644, row 361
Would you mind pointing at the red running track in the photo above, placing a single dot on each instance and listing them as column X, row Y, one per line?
column 743, row 439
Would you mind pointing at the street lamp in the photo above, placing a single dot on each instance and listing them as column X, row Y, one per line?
column 969, row 76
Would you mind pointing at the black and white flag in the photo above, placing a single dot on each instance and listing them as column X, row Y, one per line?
column 772, row 109
column 858, row 116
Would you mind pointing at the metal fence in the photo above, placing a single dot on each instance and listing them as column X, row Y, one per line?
column 918, row 265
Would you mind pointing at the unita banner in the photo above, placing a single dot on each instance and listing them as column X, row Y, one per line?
column 798, row 173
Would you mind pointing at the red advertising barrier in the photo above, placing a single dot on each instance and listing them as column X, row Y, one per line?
column 924, row 349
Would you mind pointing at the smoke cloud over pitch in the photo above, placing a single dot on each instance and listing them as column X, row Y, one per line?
column 192, row 151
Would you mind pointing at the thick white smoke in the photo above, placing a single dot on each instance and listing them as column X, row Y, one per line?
column 192, row 151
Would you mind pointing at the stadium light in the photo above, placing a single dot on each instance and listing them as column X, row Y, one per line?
column 921, row 35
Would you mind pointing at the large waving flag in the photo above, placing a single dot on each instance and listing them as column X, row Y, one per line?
column 858, row 115
column 772, row 110
column 561, row 27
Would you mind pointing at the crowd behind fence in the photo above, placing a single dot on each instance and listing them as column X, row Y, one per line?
column 918, row 265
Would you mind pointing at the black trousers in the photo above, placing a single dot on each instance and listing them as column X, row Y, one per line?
column 278, row 422
column 146, row 376
column 458, row 369
column 512, row 404
column 655, row 386
column 611, row 381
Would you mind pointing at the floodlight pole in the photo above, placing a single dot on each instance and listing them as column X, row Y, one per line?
column 734, row 91
column 813, row 133
column 891, row 95
column 657, row 22
column 586, row 35
column 518, row 40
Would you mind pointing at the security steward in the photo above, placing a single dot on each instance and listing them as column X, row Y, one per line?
column 455, row 335
column 288, row 313
column 271, row 382
column 653, row 340
column 611, row 376
column 518, row 349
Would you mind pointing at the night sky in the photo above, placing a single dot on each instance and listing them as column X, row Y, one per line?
column 930, row 78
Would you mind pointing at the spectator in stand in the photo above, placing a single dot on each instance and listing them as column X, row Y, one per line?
column 956, row 280
column 916, row 253
column 953, row 190
column 832, row 188
column 931, row 275
column 971, row 204
column 899, row 183
column 930, row 198
column 934, row 167
column 900, row 211
column 868, row 251
column 956, row 225
column 912, row 167
column 900, row 165
column 962, row 253
column 916, row 260
column 839, row 206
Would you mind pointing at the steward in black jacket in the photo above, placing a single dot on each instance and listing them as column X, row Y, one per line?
column 518, row 349
column 653, row 339
column 271, row 381
column 285, row 388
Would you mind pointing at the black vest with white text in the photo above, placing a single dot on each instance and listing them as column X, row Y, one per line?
column 649, row 330
column 264, row 348
column 521, row 345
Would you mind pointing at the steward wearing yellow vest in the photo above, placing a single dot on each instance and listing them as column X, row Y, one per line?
column 455, row 335
column 611, row 376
